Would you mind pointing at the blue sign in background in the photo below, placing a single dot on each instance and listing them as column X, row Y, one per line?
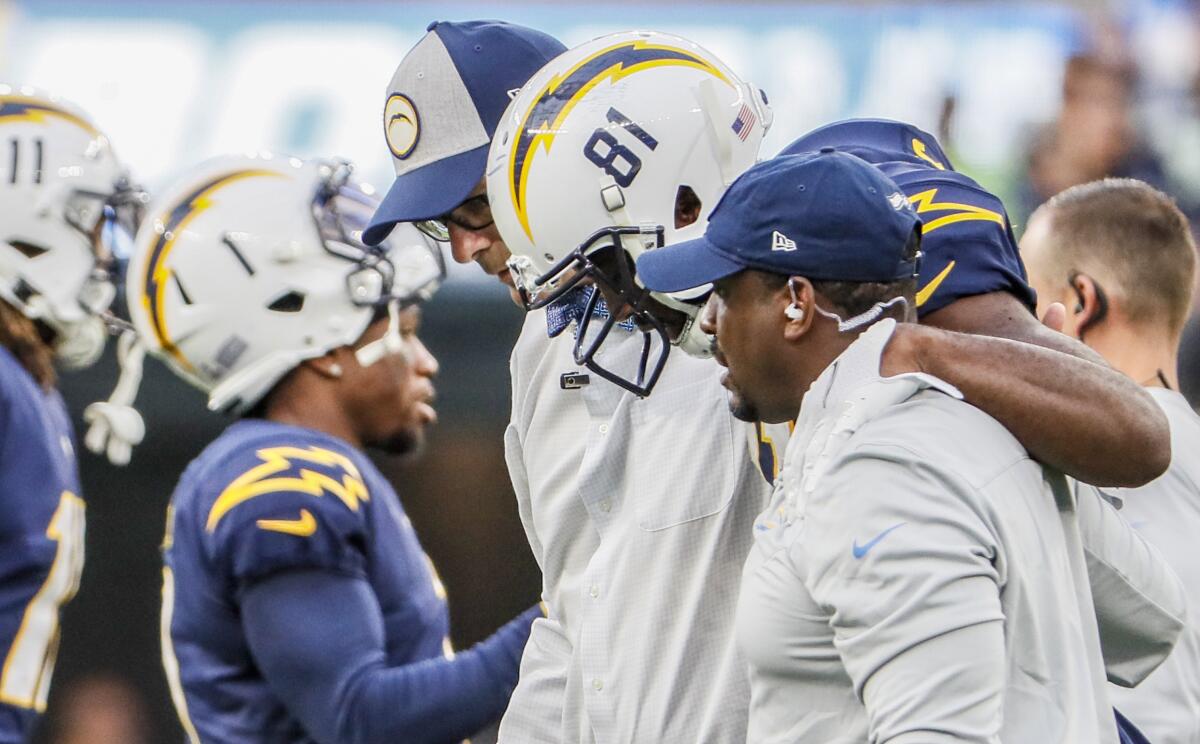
column 173, row 82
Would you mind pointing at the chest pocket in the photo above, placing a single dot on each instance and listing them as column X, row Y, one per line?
column 685, row 449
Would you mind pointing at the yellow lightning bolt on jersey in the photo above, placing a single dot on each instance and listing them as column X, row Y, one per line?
column 257, row 481
column 926, row 202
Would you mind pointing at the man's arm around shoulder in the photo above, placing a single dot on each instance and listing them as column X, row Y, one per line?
column 1066, row 406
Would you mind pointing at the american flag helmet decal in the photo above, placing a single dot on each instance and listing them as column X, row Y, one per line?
column 744, row 122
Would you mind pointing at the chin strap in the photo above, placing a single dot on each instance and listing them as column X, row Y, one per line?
column 115, row 426
column 390, row 343
column 77, row 344
column 691, row 341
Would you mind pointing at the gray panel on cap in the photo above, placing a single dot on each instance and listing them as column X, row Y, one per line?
column 448, row 123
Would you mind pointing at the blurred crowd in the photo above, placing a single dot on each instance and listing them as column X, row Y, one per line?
column 1117, row 119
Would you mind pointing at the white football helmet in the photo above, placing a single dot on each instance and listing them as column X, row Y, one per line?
column 594, row 153
column 63, row 195
column 251, row 264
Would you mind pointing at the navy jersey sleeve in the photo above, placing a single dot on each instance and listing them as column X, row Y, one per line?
column 287, row 507
column 968, row 246
column 331, row 667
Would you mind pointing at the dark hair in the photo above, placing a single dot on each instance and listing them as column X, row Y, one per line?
column 29, row 342
column 1135, row 237
column 853, row 298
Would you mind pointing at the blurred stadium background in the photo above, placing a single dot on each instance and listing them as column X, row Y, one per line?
column 1030, row 97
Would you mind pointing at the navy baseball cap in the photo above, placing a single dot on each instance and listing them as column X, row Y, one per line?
column 826, row 215
column 443, row 105
column 875, row 141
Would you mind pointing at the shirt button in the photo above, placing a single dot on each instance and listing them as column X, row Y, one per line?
column 603, row 428
column 594, row 591
column 605, row 506
column 597, row 684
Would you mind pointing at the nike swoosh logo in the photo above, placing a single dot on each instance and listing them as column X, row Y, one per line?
column 861, row 550
column 928, row 290
column 302, row 527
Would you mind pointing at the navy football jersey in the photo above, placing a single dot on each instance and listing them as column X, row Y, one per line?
column 41, row 541
column 968, row 245
column 967, row 242
column 268, row 497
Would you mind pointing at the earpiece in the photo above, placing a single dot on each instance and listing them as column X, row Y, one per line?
column 793, row 311
column 335, row 369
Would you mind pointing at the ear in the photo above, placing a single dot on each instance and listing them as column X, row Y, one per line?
column 796, row 303
column 329, row 365
column 1087, row 309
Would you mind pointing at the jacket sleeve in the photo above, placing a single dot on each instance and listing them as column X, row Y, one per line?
column 1140, row 604
column 897, row 553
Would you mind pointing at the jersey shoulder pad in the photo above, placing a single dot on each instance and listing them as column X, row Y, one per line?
column 967, row 245
column 281, row 502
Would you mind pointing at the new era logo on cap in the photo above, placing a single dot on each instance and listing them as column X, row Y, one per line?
column 781, row 242
column 898, row 201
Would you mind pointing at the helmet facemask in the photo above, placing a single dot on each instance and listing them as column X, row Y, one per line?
column 595, row 154
column 602, row 262
column 605, row 260
column 382, row 277
column 107, row 223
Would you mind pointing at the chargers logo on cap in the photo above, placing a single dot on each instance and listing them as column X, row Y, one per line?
column 401, row 125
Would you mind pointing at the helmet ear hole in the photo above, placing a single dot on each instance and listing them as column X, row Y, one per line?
column 29, row 250
column 687, row 206
column 290, row 302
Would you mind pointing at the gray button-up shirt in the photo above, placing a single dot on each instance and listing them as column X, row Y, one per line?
column 639, row 513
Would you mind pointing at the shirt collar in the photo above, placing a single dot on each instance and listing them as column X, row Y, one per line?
column 846, row 395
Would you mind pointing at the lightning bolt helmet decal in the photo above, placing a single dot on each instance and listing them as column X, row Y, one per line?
column 168, row 227
column 555, row 101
